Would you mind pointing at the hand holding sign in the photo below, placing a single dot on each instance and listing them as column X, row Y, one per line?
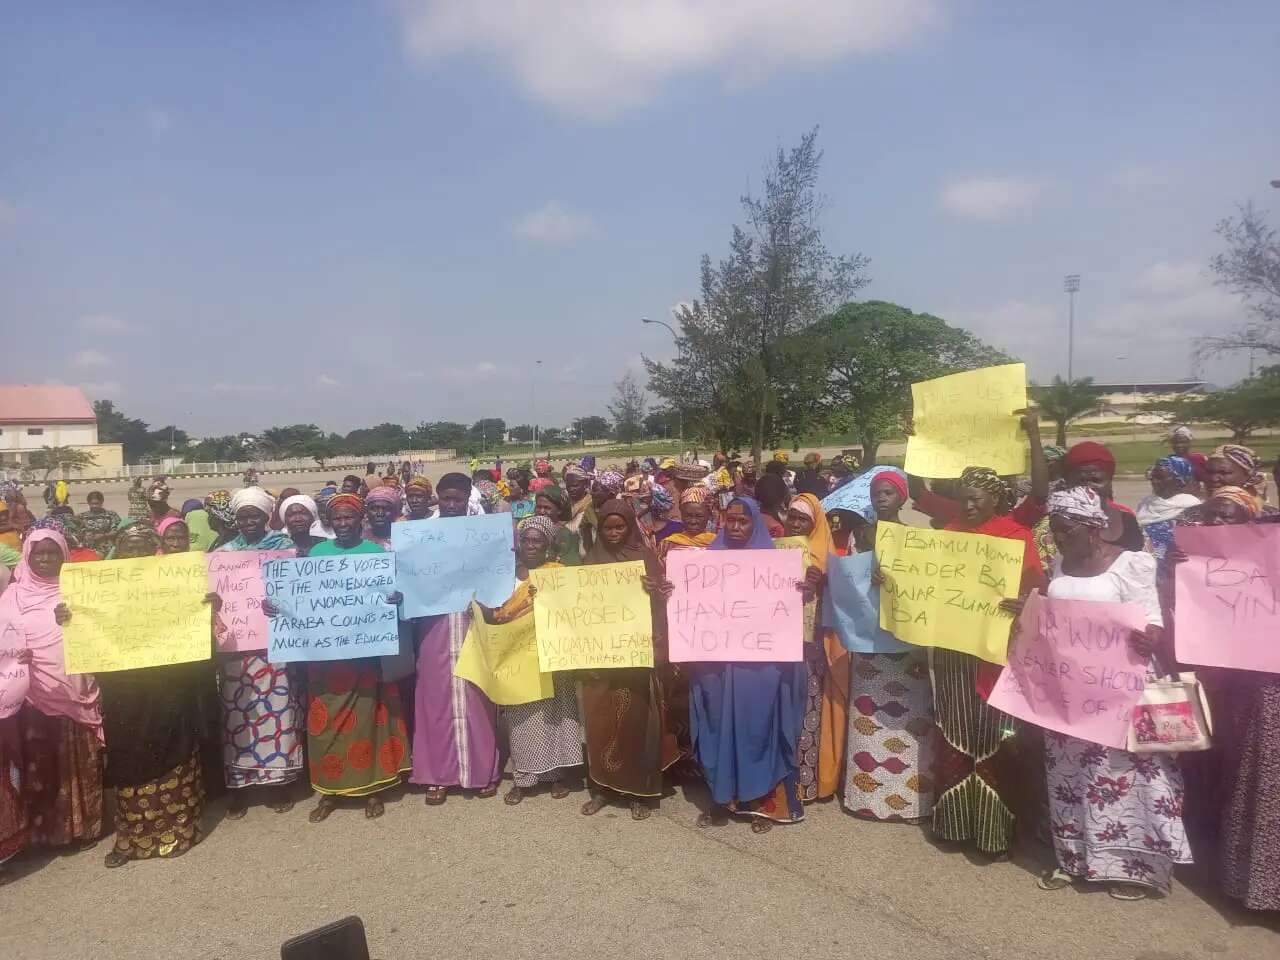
column 236, row 577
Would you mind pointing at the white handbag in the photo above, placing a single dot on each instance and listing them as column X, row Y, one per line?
column 1171, row 717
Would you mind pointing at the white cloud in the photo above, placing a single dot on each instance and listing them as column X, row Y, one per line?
column 158, row 121
column 106, row 323
column 89, row 359
column 102, row 389
column 597, row 58
column 1165, row 279
column 553, row 225
column 989, row 198
column 327, row 381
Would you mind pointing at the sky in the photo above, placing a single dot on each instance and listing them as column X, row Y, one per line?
column 234, row 216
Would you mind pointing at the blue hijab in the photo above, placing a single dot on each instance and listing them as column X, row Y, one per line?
column 759, row 539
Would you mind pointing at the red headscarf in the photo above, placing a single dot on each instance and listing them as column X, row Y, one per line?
column 1089, row 451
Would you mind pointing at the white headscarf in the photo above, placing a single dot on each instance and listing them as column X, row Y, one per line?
column 252, row 497
column 309, row 504
column 1079, row 504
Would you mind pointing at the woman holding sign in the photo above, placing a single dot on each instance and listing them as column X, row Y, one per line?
column 1117, row 816
column 973, row 765
column 261, row 712
column 152, row 721
column 545, row 735
column 628, row 743
column 60, row 724
column 747, row 717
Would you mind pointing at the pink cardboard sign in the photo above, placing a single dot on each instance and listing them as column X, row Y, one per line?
column 236, row 577
column 1228, row 596
column 735, row 606
column 1071, row 669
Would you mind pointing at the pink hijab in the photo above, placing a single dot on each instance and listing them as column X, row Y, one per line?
column 166, row 523
column 26, row 616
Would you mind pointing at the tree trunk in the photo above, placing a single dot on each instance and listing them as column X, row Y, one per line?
column 757, row 437
column 1062, row 434
column 869, row 447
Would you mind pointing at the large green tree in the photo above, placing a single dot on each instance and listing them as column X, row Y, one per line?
column 115, row 427
column 778, row 280
column 1065, row 401
column 591, row 428
column 854, row 369
column 385, row 438
column 1249, row 267
column 627, row 409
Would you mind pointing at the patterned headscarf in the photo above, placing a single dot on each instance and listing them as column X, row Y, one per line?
column 781, row 456
column 557, row 496
column 539, row 484
column 1247, row 459
column 542, row 466
column 1180, row 467
column 346, row 500
column 695, row 494
column 1181, row 432
column 724, row 482
column 504, row 488
column 541, row 524
column 1053, row 454
column 385, row 494
column 218, row 504
column 140, row 527
column 1078, row 504
column 984, row 478
column 612, row 481
column 662, row 501
column 573, row 470
column 1241, row 496
column 420, row 482
column 490, row 494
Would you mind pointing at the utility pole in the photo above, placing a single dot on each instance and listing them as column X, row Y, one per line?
column 680, row 409
column 1071, row 284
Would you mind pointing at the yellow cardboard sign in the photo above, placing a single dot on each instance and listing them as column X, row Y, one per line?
column 811, row 606
column 592, row 618
column 967, row 420
column 144, row 612
column 502, row 660
column 943, row 588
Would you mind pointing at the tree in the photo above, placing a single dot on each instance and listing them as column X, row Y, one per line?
column 662, row 422
column 295, row 440
column 1250, row 267
column 552, row 435
column 1244, row 408
column 213, row 449
column 778, row 279
column 627, row 409
column 523, row 433
column 591, row 428
column 1063, row 401
column 165, row 442
column 488, row 431
column 115, row 427
column 855, row 369
column 438, row 435
column 375, row 441
column 53, row 459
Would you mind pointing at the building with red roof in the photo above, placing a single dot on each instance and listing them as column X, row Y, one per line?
column 43, row 415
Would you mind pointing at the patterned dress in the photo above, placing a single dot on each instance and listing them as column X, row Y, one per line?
column 1250, row 867
column 1116, row 816
column 890, row 734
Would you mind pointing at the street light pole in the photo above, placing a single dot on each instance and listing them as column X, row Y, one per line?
column 533, row 406
column 679, row 409
column 1071, row 284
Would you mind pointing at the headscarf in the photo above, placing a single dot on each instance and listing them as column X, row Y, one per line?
column 662, row 501
column 1052, row 454
column 557, row 496
column 307, row 503
column 1089, row 451
column 346, row 500
column 695, row 494
column 218, row 504
column 385, row 494
column 1246, row 459
column 27, row 606
column 723, row 481
column 202, row 535
column 984, row 478
column 1241, row 496
column 1080, row 505
column 254, row 497
column 539, row 484
column 418, row 481
column 504, row 488
column 895, row 479
column 158, row 491
column 820, row 535
column 189, row 505
column 490, row 495
column 168, row 522
column 1180, row 467
column 542, row 466
column 759, row 539
column 632, row 546
column 277, row 517
column 781, row 456
column 589, row 463
column 137, row 526
column 635, row 484
column 1181, row 432
column 811, row 460
column 573, row 470
column 543, row 525
column 611, row 480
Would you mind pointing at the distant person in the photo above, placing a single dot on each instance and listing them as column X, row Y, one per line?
column 158, row 502
column 98, row 523
column 1180, row 438
column 137, row 500
column 351, row 483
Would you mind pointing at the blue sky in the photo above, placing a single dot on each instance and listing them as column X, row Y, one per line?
column 235, row 216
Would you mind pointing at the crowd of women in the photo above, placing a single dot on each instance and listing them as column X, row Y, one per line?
column 903, row 736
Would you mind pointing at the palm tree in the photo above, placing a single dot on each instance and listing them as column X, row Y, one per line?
column 1066, row 400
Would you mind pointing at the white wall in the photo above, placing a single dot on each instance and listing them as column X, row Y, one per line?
column 15, row 436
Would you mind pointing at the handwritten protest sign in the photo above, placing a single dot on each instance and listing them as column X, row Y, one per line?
column 593, row 618
column 735, row 606
column 236, row 577
column 1071, row 668
column 855, row 496
column 851, row 606
column 15, row 678
column 967, row 420
column 810, row 606
column 144, row 612
column 442, row 563
column 332, row 608
column 1228, row 596
column 502, row 660
column 943, row 588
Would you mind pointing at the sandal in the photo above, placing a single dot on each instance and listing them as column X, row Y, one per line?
column 640, row 810
column 283, row 806
column 1128, row 891
column 487, row 792
column 374, row 808
column 760, row 825
column 514, row 796
column 709, row 820
column 321, row 813
column 237, row 810
column 115, row 859
column 593, row 806
column 559, row 790
column 434, row 796
column 1055, row 879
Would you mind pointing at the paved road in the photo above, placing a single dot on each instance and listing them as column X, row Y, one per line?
column 478, row 879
